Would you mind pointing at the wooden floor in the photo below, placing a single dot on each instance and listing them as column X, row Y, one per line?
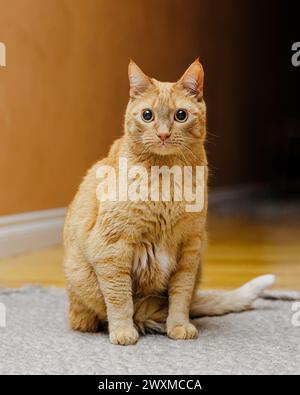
column 238, row 250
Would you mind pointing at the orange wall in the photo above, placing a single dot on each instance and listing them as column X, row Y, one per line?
column 64, row 90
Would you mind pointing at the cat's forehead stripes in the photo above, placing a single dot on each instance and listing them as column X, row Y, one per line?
column 164, row 96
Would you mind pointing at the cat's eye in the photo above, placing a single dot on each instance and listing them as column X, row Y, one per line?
column 147, row 115
column 181, row 115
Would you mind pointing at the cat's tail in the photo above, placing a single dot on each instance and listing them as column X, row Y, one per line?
column 151, row 312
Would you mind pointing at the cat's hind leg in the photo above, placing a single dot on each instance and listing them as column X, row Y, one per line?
column 81, row 318
column 86, row 303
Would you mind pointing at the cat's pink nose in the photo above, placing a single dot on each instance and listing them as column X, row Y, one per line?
column 163, row 135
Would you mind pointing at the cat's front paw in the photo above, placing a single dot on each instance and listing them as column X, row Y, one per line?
column 184, row 331
column 124, row 336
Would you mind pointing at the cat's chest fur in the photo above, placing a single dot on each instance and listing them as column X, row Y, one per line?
column 151, row 268
column 155, row 255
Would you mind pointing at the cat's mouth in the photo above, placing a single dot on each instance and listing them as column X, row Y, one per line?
column 164, row 148
column 163, row 145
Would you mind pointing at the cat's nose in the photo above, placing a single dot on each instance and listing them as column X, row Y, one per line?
column 164, row 135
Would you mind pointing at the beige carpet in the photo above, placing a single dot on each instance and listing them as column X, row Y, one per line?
column 36, row 340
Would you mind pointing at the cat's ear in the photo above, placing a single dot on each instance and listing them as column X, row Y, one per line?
column 193, row 79
column 138, row 81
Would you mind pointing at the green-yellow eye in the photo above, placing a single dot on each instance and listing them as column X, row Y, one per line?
column 147, row 115
column 181, row 115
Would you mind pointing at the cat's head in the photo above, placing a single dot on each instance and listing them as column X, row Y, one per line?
column 166, row 118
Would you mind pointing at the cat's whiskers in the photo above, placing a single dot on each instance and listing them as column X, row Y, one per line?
column 190, row 151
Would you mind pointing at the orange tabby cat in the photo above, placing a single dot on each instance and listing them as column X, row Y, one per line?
column 137, row 264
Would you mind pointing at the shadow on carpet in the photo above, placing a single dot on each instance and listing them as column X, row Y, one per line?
column 36, row 340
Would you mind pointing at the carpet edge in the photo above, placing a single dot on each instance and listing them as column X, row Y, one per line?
column 34, row 288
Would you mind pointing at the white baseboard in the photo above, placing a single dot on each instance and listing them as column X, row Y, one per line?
column 30, row 231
